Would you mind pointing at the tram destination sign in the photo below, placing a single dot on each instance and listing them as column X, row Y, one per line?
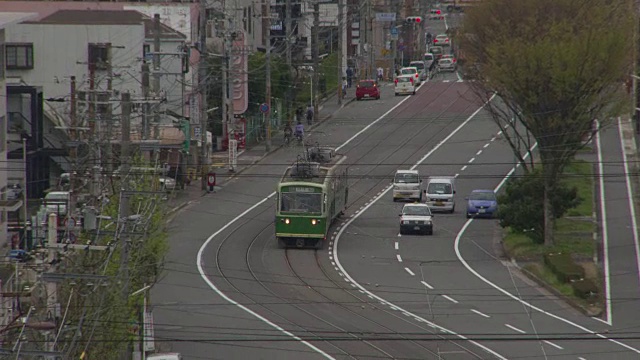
column 301, row 189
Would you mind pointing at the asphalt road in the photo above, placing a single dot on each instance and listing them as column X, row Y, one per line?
column 619, row 235
column 241, row 297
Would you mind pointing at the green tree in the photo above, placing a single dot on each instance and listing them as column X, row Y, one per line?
column 521, row 205
column 556, row 65
column 281, row 79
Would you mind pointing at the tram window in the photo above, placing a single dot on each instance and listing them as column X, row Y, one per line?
column 301, row 202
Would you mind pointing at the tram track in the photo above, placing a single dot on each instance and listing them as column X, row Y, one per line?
column 295, row 326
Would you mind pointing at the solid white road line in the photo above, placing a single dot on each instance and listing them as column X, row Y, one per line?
column 515, row 329
column 450, row 299
column 553, row 344
column 605, row 232
column 351, row 220
column 480, row 313
column 510, row 295
column 632, row 209
column 399, row 258
column 427, row 285
column 409, row 271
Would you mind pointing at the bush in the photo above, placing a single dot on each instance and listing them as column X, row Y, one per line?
column 563, row 266
column 522, row 204
column 585, row 288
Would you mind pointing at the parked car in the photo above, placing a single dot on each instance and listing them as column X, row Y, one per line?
column 167, row 183
column 482, row 203
column 422, row 68
column 447, row 65
column 405, row 85
column 367, row 89
column 412, row 70
column 416, row 218
column 441, row 40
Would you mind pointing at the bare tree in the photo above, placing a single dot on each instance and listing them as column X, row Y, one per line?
column 555, row 66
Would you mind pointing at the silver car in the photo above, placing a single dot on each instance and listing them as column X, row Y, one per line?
column 447, row 65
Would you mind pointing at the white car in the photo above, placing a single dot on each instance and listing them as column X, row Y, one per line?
column 405, row 84
column 416, row 218
column 441, row 40
column 412, row 70
column 167, row 183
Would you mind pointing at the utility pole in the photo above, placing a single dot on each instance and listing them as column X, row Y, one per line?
column 109, row 119
column 123, row 211
column 267, row 116
column 145, row 106
column 369, row 24
column 316, row 58
column 156, row 72
column 202, row 85
column 288, row 31
column 341, row 33
column 228, row 87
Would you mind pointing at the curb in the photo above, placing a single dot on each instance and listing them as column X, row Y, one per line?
column 574, row 304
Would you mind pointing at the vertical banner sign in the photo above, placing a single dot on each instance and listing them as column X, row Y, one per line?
column 240, row 74
column 148, row 333
column 194, row 109
column 233, row 154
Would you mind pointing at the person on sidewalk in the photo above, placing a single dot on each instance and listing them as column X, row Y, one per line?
column 310, row 114
column 299, row 131
column 344, row 87
column 349, row 76
column 288, row 132
column 380, row 74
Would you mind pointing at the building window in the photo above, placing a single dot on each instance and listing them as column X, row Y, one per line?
column 19, row 56
column 99, row 56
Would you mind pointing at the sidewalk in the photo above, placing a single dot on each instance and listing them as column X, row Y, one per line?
column 250, row 156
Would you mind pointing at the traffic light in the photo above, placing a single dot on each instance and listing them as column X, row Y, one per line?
column 414, row 19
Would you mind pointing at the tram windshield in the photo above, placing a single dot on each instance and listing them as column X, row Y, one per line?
column 301, row 202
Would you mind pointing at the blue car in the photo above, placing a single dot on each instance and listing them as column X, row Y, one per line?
column 482, row 203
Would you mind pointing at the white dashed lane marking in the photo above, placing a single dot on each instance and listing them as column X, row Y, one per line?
column 472, row 160
column 486, row 145
column 399, row 257
column 427, row 285
column 463, row 168
column 553, row 344
column 479, row 152
column 409, row 271
column 396, row 245
column 480, row 313
column 515, row 329
column 450, row 299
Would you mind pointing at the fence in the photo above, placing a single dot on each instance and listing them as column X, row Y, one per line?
column 256, row 128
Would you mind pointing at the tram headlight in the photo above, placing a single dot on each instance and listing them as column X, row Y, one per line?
column 287, row 221
column 314, row 221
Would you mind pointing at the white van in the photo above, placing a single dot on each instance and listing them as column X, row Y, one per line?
column 440, row 194
column 405, row 85
column 422, row 69
column 407, row 185
column 167, row 356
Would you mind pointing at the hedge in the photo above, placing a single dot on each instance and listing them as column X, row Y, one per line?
column 563, row 266
column 585, row 288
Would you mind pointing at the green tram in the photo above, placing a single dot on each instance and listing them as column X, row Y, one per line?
column 310, row 196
